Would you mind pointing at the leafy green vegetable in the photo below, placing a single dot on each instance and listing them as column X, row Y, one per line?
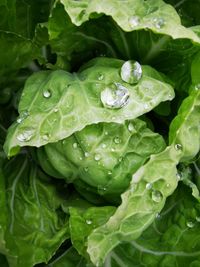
column 100, row 126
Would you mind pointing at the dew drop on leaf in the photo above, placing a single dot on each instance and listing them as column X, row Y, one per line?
column 109, row 172
column 131, row 72
column 198, row 218
column 156, row 196
column 47, row 93
column 75, row 145
column 117, row 140
column 87, row 154
column 134, row 21
column 97, row 157
column 103, row 145
column 88, row 221
column 178, row 147
column 115, row 96
column 86, row 169
column 133, row 187
column 148, row 186
column 159, row 22
column 26, row 135
column 46, row 137
column 197, row 86
column 23, row 116
column 55, row 110
column 190, row 224
column 131, row 127
column 100, row 77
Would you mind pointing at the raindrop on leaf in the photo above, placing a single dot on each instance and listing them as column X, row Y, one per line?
column 156, row 196
column 131, row 72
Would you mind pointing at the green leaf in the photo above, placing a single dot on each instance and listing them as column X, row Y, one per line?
column 131, row 15
column 32, row 222
column 103, row 155
column 185, row 129
column 82, row 222
column 172, row 240
column 150, row 186
column 52, row 101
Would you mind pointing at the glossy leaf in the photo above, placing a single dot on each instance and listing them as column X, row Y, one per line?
column 52, row 101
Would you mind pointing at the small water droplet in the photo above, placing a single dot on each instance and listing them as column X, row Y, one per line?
column 198, row 218
column 75, row 145
column 134, row 21
column 97, row 157
column 89, row 221
column 156, row 196
column 159, row 22
column 131, row 127
column 26, row 135
column 146, row 106
column 167, row 185
column 133, row 187
column 23, row 116
column 131, row 72
column 106, row 133
column 197, row 87
column 115, row 97
column 178, row 147
column 120, row 159
column 117, row 140
column 148, row 186
column 109, row 172
column 47, row 93
column 190, row 224
column 179, row 176
column 103, row 145
column 46, row 137
column 55, row 110
column 81, row 158
column 112, row 149
column 87, row 154
column 86, row 169
column 100, row 77
column 158, row 216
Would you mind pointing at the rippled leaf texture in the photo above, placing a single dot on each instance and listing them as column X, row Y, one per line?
column 104, row 156
column 139, row 205
column 172, row 240
column 73, row 101
column 121, row 12
column 33, row 225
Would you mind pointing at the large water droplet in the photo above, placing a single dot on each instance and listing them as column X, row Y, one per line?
column 156, row 196
column 190, row 224
column 115, row 96
column 159, row 22
column 148, row 186
column 134, row 21
column 178, row 147
column 47, row 93
column 97, row 157
column 131, row 72
column 26, row 135
column 117, row 140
